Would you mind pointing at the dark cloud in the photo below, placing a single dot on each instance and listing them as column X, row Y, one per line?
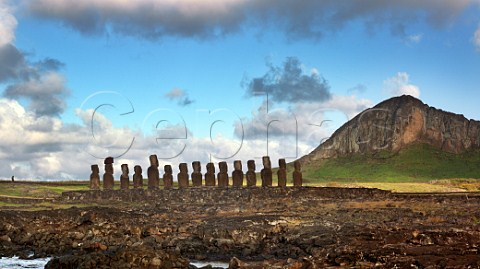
column 12, row 63
column 43, row 147
column 46, row 94
column 37, row 82
column 153, row 19
column 49, row 64
column 180, row 96
column 289, row 84
column 186, row 101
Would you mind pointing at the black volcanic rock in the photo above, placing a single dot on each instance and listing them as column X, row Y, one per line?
column 397, row 123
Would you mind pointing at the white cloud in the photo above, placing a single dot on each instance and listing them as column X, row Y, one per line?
column 476, row 38
column 8, row 23
column 45, row 92
column 175, row 93
column 180, row 95
column 414, row 39
column 400, row 85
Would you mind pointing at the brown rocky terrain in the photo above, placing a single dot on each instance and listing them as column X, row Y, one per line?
column 396, row 123
column 250, row 228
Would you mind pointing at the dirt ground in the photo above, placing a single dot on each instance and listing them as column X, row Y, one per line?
column 254, row 228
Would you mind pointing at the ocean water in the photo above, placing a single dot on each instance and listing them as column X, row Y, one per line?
column 17, row 263
column 213, row 264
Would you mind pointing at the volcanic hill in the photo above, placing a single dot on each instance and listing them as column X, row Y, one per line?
column 400, row 138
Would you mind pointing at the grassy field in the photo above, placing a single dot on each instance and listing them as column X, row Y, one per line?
column 418, row 163
column 40, row 189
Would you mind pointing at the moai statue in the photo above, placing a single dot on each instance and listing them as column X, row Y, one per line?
column 210, row 175
column 222, row 176
column 95, row 178
column 297, row 174
column 282, row 173
column 108, row 181
column 183, row 176
column 124, row 178
column 167, row 177
column 153, row 174
column 137, row 177
column 197, row 174
column 266, row 172
column 251, row 175
column 237, row 174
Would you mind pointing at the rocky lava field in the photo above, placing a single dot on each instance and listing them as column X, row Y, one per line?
column 303, row 227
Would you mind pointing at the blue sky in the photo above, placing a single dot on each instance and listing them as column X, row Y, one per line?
column 189, row 66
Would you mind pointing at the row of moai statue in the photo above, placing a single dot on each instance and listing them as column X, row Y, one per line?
column 221, row 179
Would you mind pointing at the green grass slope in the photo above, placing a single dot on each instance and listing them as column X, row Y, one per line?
column 417, row 163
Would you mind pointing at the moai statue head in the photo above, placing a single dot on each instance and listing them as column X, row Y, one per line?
column 125, row 170
column 251, row 165
column 210, row 168
column 266, row 162
column 223, row 167
column 108, row 165
column 237, row 165
column 282, row 163
column 154, row 160
column 137, row 169
column 298, row 166
column 168, row 169
column 183, row 168
column 95, row 169
column 196, row 167
column 108, row 160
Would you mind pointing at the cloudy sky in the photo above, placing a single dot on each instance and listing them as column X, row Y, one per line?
column 216, row 80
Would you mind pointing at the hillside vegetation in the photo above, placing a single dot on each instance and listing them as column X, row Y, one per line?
column 417, row 163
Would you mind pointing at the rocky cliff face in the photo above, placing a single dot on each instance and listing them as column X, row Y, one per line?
column 397, row 123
